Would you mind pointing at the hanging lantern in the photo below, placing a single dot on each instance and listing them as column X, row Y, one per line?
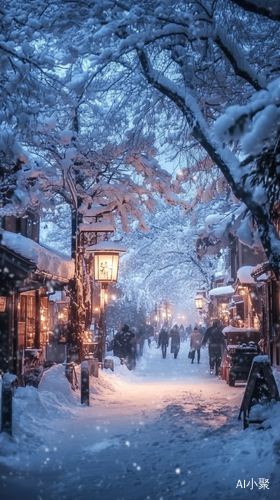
column 199, row 301
column 106, row 260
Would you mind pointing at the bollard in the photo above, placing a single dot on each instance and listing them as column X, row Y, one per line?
column 85, row 383
column 9, row 382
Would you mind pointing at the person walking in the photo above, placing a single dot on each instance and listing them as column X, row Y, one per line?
column 125, row 347
column 188, row 331
column 140, row 339
column 195, row 344
column 216, row 342
column 175, row 340
column 163, row 340
column 182, row 333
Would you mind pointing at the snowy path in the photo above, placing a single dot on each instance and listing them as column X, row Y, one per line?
column 166, row 431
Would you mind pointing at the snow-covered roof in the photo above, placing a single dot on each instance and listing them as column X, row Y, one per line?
column 46, row 260
column 107, row 246
column 240, row 330
column 222, row 290
column 244, row 275
column 96, row 226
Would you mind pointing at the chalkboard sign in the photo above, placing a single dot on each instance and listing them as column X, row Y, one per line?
column 261, row 388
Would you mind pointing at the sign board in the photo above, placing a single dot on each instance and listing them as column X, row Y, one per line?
column 3, row 304
column 260, row 387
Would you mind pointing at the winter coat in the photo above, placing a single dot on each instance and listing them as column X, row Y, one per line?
column 163, row 338
column 124, row 344
column 216, row 340
column 175, row 339
column 196, row 340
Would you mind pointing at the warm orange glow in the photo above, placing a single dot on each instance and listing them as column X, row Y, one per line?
column 199, row 301
column 106, row 267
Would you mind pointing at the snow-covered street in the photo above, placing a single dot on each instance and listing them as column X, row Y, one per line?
column 168, row 430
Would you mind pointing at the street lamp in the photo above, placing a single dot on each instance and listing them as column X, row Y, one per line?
column 86, row 234
column 106, row 265
column 199, row 301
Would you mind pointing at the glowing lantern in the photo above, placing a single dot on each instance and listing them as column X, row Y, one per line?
column 199, row 301
column 106, row 260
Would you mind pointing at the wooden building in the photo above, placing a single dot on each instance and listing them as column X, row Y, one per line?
column 29, row 275
column 271, row 306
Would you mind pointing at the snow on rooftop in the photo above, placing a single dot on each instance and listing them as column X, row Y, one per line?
column 244, row 275
column 107, row 246
column 46, row 260
column 238, row 330
column 222, row 290
column 96, row 226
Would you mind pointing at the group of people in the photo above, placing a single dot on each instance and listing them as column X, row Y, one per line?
column 213, row 336
column 174, row 336
column 128, row 344
column 215, row 339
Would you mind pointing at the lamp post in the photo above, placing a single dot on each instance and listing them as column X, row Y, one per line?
column 106, row 265
column 80, row 291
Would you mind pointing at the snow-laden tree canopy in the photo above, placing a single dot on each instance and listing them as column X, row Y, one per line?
column 59, row 139
column 95, row 91
column 162, row 264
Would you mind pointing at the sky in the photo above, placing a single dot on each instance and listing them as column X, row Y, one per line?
column 167, row 430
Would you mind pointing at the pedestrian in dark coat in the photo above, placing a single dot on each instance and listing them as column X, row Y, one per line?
column 216, row 343
column 163, row 340
column 124, row 346
column 175, row 340
column 195, row 344
column 182, row 333
column 188, row 331
column 140, row 339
